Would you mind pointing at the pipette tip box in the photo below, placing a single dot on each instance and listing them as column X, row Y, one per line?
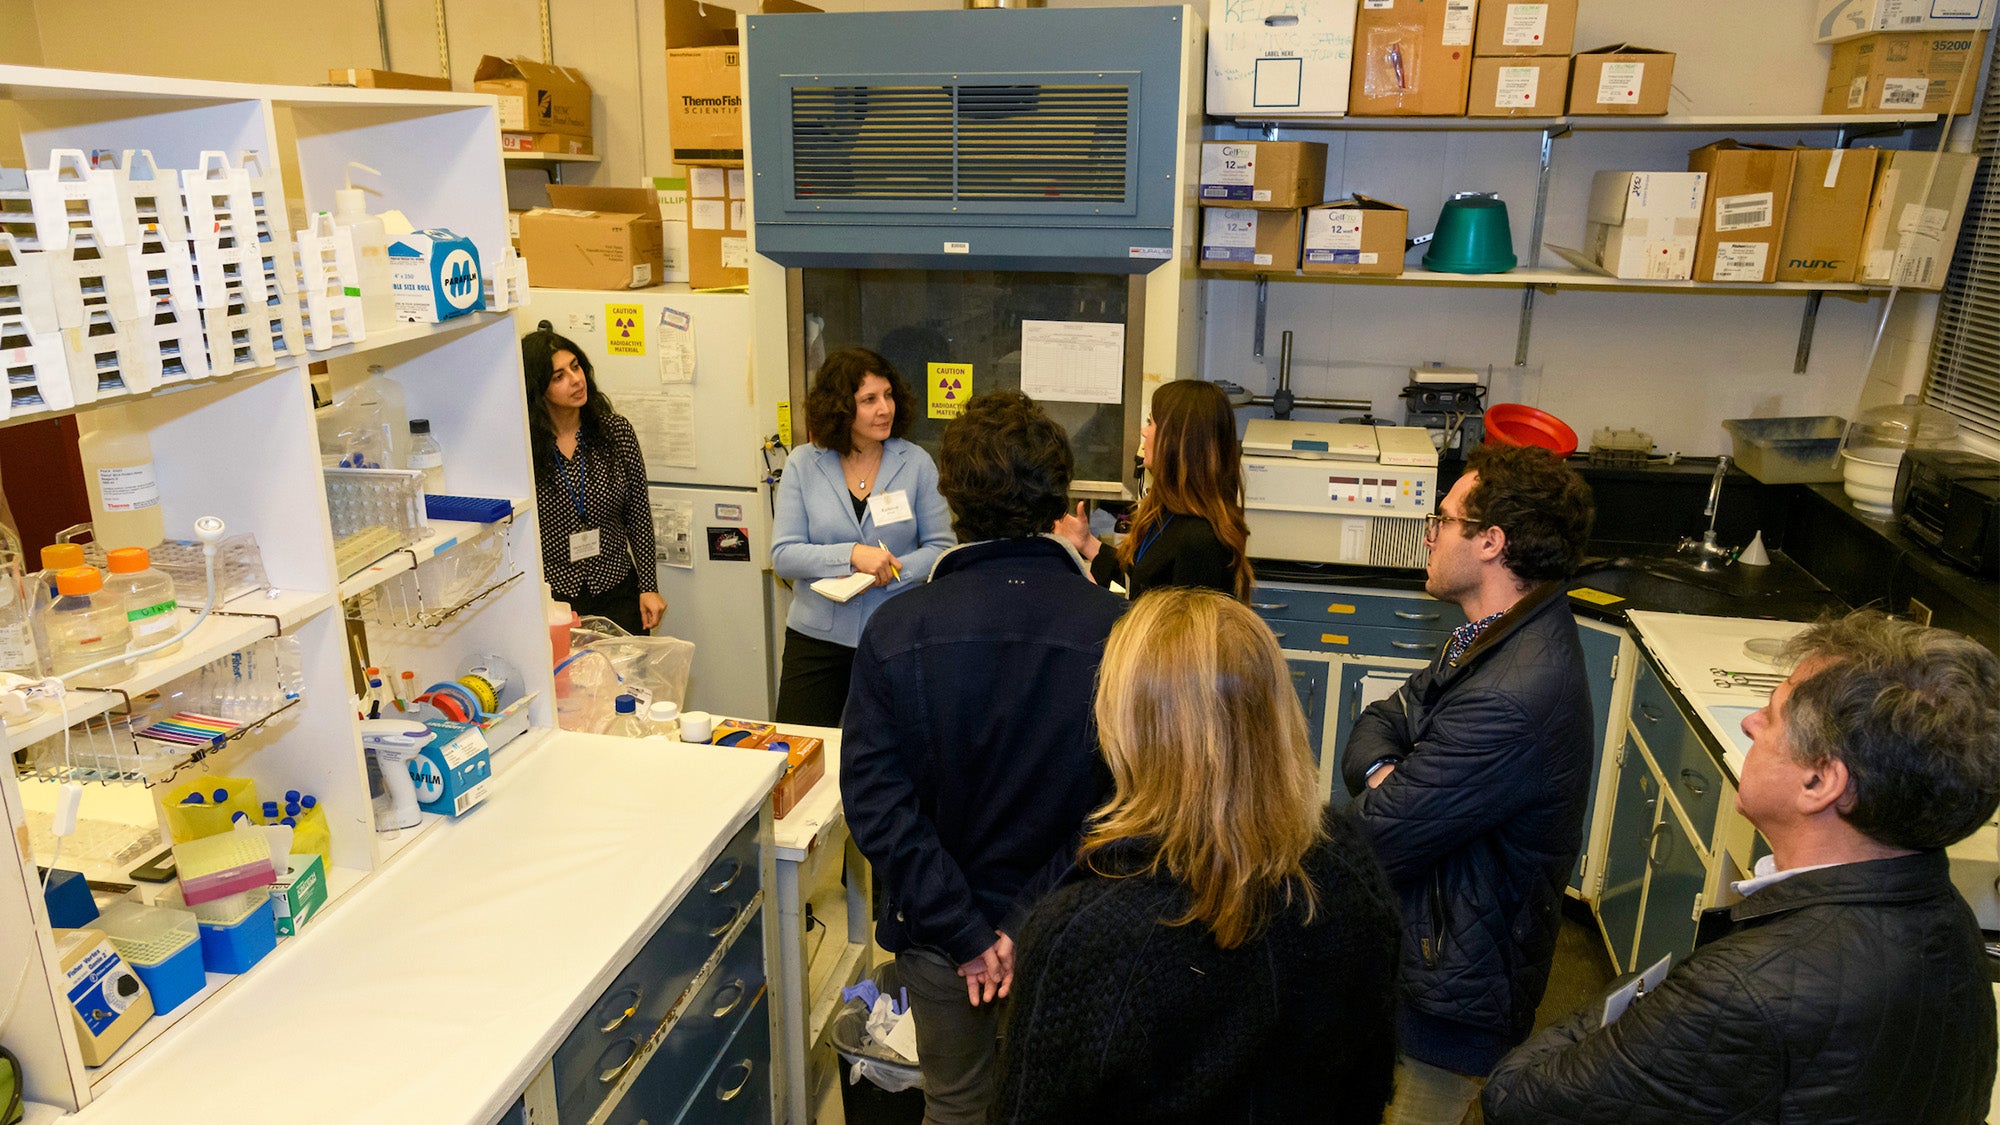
column 237, row 945
column 162, row 945
column 216, row 866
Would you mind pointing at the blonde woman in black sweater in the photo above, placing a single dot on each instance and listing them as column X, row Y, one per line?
column 1224, row 949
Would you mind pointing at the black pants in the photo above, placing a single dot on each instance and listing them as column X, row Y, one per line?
column 812, row 680
column 620, row 603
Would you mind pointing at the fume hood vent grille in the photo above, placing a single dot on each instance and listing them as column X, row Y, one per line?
column 988, row 143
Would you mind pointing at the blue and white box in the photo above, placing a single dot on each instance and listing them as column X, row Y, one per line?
column 435, row 276
column 454, row 773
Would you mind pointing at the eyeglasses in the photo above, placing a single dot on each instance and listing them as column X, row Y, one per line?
column 1433, row 522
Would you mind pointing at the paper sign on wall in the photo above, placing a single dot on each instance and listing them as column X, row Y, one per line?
column 673, row 532
column 625, row 330
column 675, row 345
column 950, row 386
column 1072, row 361
column 664, row 424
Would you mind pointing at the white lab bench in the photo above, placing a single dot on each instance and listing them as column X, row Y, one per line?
column 440, row 990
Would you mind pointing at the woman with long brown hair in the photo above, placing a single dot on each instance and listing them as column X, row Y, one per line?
column 1189, row 529
column 1224, row 947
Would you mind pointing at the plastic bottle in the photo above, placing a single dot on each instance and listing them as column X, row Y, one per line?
column 378, row 700
column 626, row 723
column 17, row 635
column 56, row 557
column 664, row 718
column 149, row 598
column 117, row 458
column 371, row 250
column 86, row 623
column 428, row 455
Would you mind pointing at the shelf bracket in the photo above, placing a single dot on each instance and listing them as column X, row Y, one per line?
column 1263, row 304
column 1806, row 328
column 1549, row 137
column 1527, row 325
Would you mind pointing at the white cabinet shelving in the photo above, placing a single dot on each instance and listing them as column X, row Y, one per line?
column 243, row 447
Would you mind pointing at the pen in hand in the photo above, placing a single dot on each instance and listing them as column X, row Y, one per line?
column 893, row 568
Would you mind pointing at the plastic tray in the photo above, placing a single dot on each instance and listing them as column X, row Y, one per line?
column 1800, row 450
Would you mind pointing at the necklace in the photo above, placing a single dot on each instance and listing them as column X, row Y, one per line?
column 860, row 475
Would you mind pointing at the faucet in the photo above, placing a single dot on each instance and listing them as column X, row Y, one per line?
column 1709, row 555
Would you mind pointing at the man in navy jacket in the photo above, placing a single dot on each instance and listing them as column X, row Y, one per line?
column 1472, row 780
column 968, row 757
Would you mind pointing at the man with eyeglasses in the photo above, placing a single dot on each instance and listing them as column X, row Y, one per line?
column 1472, row 781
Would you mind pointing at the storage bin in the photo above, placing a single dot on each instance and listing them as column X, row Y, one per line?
column 234, row 947
column 1788, row 450
column 162, row 945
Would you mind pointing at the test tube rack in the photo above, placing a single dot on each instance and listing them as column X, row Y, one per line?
column 328, row 270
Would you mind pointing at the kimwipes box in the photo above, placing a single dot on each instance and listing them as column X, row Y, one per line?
column 1828, row 214
column 594, row 238
column 1911, row 234
column 1267, row 175
column 1279, row 55
column 1641, row 225
column 1621, row 79
column 1547, row 28
column 1905, row 72
column 1749, row 187
column 705, row 80
column 718, row 229
column 1359, row 237
column 535, row 97
column 1249, row 241
column 1411, row 58
column 1845, row 19
column 1518, row 87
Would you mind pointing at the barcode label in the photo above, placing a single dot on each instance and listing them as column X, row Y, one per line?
column 1744, row 212
column 1904, row 93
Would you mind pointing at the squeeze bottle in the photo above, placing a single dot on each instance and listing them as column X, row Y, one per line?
column 118, row 473
column 371, row 248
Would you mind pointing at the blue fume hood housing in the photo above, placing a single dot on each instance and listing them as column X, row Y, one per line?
column 1009, row 139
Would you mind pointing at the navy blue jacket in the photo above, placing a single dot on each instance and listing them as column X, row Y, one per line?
column 1480, row 825
column 969, row 758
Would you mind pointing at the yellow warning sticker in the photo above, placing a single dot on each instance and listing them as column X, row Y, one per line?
column 624, row 330
column 785, row 424
column 950, row 385
column 1594, row 597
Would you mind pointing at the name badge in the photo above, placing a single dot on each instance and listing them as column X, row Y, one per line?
column 1616, row 1003
column 583, row 545
column 890, row 507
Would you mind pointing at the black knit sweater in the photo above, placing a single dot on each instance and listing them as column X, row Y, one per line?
column 1117, row 1016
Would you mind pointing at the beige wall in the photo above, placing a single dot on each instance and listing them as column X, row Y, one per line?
column 21, row 46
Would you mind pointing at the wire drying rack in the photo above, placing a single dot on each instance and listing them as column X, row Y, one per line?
column 443, row 586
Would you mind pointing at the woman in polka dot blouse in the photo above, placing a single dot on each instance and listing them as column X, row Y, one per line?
column 590, row 489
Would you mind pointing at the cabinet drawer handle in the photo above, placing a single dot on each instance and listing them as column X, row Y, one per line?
column 1278, row 635
column 1693, row 782
column 1414, row 646
column 625, row 1003
column 728, row 1093
column 735, row 990
column 1661, row 832
column 615, row 1059
column 735, row 912
column 1408, row 616
column 735, row 870
column 1270, row 605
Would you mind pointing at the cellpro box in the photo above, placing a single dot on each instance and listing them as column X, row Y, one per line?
column 1246, row 241
column 1621, row 79
column 1412, row 58
column 1518, row 86
column 1358, row 237
column 1544, row 28
column 1641, row 225
column 455, row 772
column 1845, row 19
column 1828, row 214
column 1279, row 56
column 1749, row 188
column 1266, row 175
column 435, row 276
column 1905, row 72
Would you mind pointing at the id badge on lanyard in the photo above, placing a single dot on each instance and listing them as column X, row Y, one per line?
column 584, row 544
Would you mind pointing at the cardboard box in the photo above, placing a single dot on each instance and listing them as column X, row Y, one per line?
column 1266, row 175
column 535, row 97
column 705, row 80
column 1358, row 237
column 805, row 765
column 455, row 772
column 1828, row 214
column 384, row 79
column 718, row 229
column 1911, row 235
column 514, row 227
column 1246, row 241
column 1621, row 79
column 594, row 238
column 1547, row 28
column 1278, row 55
column 435, row 276
column 1641, row 225
column 1845, row 19
column 1905, row 72
column 1518, row 87
column 567, row 144
column 1412, row 58
column 671, row 192
column 1749, row 188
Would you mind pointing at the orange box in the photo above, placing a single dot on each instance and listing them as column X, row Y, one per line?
column 736, row 732
column 805, row 765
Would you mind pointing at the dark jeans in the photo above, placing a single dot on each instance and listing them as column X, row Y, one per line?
column 957, row 1044
column 620, row 603
column 812, row 680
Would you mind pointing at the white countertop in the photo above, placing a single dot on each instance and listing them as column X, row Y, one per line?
column 435, row 991
column 1689, row 648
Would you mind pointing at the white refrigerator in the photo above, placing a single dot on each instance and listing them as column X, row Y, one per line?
column 677, row 364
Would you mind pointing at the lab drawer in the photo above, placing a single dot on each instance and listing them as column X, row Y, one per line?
column 692, row 1044
column 1360, row 640
column 1325, row 604
column 1694, row 780
column 593, row 1057
column 738, row 1088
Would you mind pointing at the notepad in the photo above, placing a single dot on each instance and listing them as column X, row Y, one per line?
column 844, row 588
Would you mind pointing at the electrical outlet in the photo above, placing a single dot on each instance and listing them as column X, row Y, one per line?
column 1919, row 612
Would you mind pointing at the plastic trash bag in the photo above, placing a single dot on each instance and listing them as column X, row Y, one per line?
column 605, row 661
column 867, row 1058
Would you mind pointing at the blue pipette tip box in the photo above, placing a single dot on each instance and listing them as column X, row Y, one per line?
column 241, row 944
column 467, row 509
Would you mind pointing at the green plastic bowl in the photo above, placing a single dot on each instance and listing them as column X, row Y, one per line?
column 1472, row 237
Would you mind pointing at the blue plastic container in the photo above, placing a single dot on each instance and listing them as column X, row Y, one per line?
column 162, row 945
column 241, row 944
column 69, row 901
column 175, row 979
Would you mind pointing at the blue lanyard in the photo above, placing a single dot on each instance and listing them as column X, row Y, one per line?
column 1147, row 542
column 575, row 490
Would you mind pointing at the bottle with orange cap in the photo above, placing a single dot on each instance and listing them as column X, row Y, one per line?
column 86, row 623
column 149, row 597
column 56, row 558
column 17, row 638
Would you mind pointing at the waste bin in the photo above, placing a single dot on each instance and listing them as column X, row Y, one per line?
column 865, row 1102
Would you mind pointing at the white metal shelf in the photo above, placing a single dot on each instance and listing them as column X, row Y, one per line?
column 1593, row 123
column 1545, row 277
column 23, row 83
column 549, row 158
column 443, row 536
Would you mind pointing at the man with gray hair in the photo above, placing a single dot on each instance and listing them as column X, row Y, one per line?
column 1851, row 985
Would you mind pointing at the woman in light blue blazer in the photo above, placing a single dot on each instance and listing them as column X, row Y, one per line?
column 857, row 500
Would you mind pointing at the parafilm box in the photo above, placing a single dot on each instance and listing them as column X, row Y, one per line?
column 455, row 772
column 435, row 276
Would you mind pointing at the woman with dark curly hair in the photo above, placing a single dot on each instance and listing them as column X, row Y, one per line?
column 590, row 489
column 857, row 499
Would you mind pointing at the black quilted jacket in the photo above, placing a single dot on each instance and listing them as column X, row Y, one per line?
column 1850, row 994
column 1480, row 826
